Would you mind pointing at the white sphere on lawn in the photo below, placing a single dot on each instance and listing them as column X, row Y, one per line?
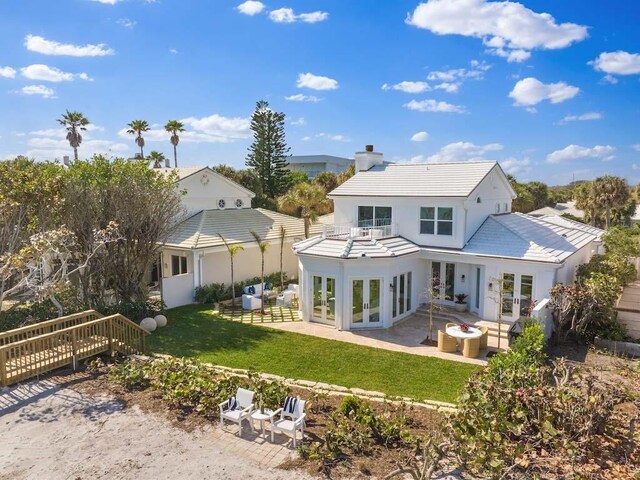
column 148, row 324
column 161, row 320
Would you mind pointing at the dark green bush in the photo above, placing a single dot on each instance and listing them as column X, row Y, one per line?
column 135, row 311
column 219, row 292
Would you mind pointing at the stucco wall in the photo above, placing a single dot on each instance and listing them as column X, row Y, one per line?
column 204, row 189
column 178, row 290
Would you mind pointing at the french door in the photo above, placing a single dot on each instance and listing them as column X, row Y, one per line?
column 401, row 296
column 443, row 279
column 516, row 295
column 324, row 299
column 365, row 302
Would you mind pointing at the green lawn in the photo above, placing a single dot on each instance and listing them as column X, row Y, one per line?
column 194, row 332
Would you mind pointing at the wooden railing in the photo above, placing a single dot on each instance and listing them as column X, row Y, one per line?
column 49, row 326
column 39, row 354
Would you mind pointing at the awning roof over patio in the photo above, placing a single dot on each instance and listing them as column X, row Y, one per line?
column 203, row 229
column 351, row 249
column 524, row 237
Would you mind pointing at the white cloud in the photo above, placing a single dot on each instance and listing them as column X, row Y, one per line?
column 636, row 147
column 420, row 137
column 299, row 97
column 299, row 121
column 617, row 63
column 531, row 91
column 107, row 2
column 408, row 87
column 44, row 92
column 334, row 138
column 575, row 152
column 39, row 44
column 306, row 139
column 463, row 152
column 316, row 82
column 173, row 50
column 582, row 118
column 448, row 87
column 126, row 22
column 211, row 129
column 7, row 72
column 516, row 167
column 510, row 29
column 287, row 15
column 451, row 80
column 46, row 73
column 635, row 166
column 434, row 106
column 250, row 7
column 609, row 79
column 61, row 132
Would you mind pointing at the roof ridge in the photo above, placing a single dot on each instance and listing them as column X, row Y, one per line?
column 199, row 230
column 347, row 248
column 383, row 246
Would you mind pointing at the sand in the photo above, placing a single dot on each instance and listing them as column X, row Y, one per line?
column 49, row 432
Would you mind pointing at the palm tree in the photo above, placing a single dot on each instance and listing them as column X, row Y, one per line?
column 611, row 193
column 156, row 159
column 283, row 236
column 306, row 199
column 262, row 245
column 174, row 127
column 584, row 196
column 138, row 127
column 233, row 251
column 74, row 122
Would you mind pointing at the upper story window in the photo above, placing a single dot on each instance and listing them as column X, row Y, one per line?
column 374, row 216
column 436, row 220
column 178, row 264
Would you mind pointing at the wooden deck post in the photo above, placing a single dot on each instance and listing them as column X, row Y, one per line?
column 110, row 333
column 74, row 349
column 3, row 368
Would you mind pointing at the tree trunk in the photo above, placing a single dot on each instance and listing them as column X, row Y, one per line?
column 57, row 304
column 607, row 218
column 262, row 286
column 175, row 156
column 75, row 153
column 307, row 225
column 142, row 153
column 233, row 290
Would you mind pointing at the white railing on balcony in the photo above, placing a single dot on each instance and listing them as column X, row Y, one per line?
column 348, row 231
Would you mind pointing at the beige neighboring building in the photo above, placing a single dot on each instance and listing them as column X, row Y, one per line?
column 559, row 210
column 195, row 255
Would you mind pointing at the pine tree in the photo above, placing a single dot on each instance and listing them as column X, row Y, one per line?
column 268, row 153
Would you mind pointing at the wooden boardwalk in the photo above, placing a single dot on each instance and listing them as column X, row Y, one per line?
column 36, row 349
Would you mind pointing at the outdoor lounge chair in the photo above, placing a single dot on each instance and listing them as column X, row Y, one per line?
column 446, row 343
column 285, row 299
column 450, row 325
column 237, row 408
column 291, row 419
column 471, row 347
column 251, row 302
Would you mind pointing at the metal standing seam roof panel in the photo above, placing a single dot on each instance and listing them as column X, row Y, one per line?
column 351, row 249
column 419, row 180
column 203, row 229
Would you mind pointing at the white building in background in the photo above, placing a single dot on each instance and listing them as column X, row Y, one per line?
column 312, row 165
column 195, row 255
column 398, row 228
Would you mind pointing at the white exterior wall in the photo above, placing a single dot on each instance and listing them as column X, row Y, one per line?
column 205, row 188
column 216, row 265
column 567, row 274
column 492, row 191
column 178, row 290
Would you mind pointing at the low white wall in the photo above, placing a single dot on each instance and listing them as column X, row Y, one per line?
column 177, row 290
column 542, row 314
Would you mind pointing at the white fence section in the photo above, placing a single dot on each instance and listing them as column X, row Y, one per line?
column 542, row 314
column 347, row 232
column 177, row 290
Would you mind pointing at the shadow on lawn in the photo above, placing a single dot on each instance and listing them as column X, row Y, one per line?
column 192, row 331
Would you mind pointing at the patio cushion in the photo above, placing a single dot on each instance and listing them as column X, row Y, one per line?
column 251, row 290
column 233, row 403
column 287, row 425
column 233, row 415
column 290, row 404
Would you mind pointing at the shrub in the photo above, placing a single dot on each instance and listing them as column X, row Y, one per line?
column 212, row 293
column 135, row 311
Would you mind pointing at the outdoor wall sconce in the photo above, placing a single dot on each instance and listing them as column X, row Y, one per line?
column 490, row 286
column 391, row 287
column 463, row 278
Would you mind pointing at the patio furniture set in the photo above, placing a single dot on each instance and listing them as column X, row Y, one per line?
column 470, row 339
column 252, row 296
column 289, row 419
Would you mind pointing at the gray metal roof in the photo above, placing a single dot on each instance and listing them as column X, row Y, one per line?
column 203, row 229
column 319, row 159
column 351, row 249
column 565, row 222
column 524, row 237
column 417, row 180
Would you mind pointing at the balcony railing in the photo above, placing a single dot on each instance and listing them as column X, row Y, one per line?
column 352, row 232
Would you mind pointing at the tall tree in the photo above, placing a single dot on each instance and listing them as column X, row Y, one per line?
column 137, row 128
column 611, row 193
column 233, row 250
column 524, row 200
column 74, row 122
column 327, row 180
column 539, row 193
column 156, row 159
column 174, row 127
column 262, row 246
column 584, row 195
column 268, row 152
column 306, row 200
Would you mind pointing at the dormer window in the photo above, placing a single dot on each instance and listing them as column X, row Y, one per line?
column 436, row 221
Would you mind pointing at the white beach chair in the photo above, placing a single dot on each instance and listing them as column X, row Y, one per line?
column 238, row 408
column 291, row 419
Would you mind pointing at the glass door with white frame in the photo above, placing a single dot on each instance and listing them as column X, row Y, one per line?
column 443, row 279
column 324, row 299
column 516, row 295
column 366, row 301
column 401, row 286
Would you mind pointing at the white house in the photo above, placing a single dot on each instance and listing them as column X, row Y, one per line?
column 399, row 228
column 195, row 254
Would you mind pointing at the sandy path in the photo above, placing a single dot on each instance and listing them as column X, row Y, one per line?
column 48, row 432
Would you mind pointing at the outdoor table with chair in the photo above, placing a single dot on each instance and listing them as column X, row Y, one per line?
column 472, row 339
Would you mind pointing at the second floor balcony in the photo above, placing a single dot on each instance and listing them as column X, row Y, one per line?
column 366, row 230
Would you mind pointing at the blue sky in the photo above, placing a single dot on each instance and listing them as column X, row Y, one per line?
column 552, row 96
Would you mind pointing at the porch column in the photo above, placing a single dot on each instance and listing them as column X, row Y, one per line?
column 197, row 269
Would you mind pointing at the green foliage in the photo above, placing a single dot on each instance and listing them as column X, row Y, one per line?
column 622, row 241
column 298, row 176
column 268, row 153
column 219, row 292
column 269, row 393
column 519, row 407
column 135, row 310
column 327, row 180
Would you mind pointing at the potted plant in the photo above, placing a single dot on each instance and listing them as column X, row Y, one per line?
column 461, row 302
